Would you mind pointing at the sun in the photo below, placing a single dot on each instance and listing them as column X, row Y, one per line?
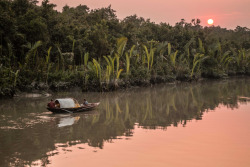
column 210, row 21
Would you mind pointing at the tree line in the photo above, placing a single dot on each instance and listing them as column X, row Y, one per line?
column 43, row 48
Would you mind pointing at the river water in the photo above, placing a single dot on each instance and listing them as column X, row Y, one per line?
column 186, row 124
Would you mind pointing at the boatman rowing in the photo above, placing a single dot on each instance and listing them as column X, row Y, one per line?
column 51, row 104
column 85, row 102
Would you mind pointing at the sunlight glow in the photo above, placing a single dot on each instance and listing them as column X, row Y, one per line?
column 210, row 21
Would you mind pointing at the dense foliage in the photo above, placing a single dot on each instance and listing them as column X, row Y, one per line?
column 43, row 48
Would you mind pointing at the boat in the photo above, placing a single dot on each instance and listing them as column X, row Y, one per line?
column 71, row 105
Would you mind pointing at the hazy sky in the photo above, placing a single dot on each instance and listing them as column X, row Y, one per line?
column 225, row 13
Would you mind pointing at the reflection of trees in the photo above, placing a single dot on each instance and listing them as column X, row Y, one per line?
column 156, row 107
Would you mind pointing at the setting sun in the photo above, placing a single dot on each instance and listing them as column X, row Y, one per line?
column 210, row 21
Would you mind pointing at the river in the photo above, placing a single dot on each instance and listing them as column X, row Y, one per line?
column 184, row 124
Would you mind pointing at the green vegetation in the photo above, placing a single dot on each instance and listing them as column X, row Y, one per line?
column 42, row 48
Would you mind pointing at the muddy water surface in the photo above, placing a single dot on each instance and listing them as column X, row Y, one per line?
column 188, row 124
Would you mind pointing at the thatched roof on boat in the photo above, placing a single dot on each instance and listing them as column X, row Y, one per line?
column 67, row 103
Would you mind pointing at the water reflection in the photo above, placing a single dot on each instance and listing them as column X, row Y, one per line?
column 29, row 134
column 67, row 121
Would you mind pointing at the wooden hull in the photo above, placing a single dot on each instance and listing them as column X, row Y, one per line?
column 88, row 107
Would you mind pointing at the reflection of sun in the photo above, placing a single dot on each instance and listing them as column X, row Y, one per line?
column 210, row 21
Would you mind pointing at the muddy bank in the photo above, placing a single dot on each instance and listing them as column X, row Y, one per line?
column 41, row 89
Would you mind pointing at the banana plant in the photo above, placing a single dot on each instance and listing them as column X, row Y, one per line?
column 131, row 51
column 47, row 63
column 173, row 58
column 240, row 56
column 97, row 69
column 73, row 42
column 161, row 48
column 150, row 56
column 108, row 73
column 185, row 57
column 226, row 59
column 242, row 59
column 108, row 69
column 60, row 59
column 169, row 49
column 111, row 62
column 198, row 58
column 127, row 64
column 201, row 47
column 32, row 52
column 128, row 56
column 118, row 74
column 48, row 56
column 121, row 44
column 117, row 62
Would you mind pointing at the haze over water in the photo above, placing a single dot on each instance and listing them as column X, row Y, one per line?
column 188, row 124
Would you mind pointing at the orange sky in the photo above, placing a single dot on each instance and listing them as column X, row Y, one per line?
column 226, row 13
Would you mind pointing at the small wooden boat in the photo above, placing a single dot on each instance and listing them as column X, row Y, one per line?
column 70, row 105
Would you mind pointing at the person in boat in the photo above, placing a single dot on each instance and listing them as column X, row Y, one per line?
column 51, row 104
column 85, row 102
column 57, row 104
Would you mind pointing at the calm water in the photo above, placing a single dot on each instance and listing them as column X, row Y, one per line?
column 198, row 124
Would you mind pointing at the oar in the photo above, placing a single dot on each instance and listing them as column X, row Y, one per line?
column 66, row 110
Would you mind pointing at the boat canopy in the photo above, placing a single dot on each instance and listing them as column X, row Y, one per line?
column 68, row 103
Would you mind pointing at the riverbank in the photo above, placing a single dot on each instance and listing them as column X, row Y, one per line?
column 37, row 89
